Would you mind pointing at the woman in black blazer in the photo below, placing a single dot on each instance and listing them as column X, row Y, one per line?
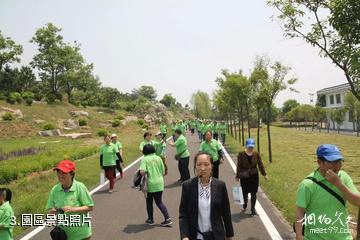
column 204, row 211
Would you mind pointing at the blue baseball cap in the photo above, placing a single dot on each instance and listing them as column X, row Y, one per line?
column 250, row 142
column 329, row 151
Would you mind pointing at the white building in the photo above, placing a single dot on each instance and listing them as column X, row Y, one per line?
column 335, row 98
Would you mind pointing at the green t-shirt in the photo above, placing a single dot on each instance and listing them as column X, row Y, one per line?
column 160, row 148
column 77, row 196
column 109, row 154
column 118, row 146
column 163, row 128
column 155, row 169
column 143, row 143
column 211, row 148
column 6, row 214
column 221, row 128
column 181, row 147
column 325, row 217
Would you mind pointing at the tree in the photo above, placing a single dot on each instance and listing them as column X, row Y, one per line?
column 350, row 106
column 109, row 96
column 145, row 91
column 330, row 25
column 168, row 100
column 339, row 117
column 275, row 82
column 49, row 61
column 201, row 105
column 289, row 105
column 9, row 51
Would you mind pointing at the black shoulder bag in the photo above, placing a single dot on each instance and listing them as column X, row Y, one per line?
column 329, row 190
column 58, row 233
column 207, row 235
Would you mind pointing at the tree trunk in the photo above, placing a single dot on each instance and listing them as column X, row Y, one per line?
column 328, row 127
column 239, row 124
column 231, row 126
column 235, row 127
column 268, row 133
column 258, row 130
column 248, row 119
column 242, row 127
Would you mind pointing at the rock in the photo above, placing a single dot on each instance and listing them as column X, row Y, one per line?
column 148, row 119
column 16, row 112
column 19, row 114
column 38, row 121
column 85, row 127
column 131, row 118
column 100, row 112
column 70, row 123
column 76, row 135
column 123, row 122
column 50, row 133
column 79, row 113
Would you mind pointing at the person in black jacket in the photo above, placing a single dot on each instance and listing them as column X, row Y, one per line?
column 204, row 211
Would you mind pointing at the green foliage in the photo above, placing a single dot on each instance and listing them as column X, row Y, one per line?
column 120, row 117
column 102, row 132
column 289, row 105
column 14, row 97
column 9, row 51
column 28, row 97
column 82, row 122
column 168, row 100
column 49, row 126
column 8, row 117
column 145, row 126
column 147, row 92
column 201, row 105
column 140, row 122
column 115, row 123
column 332, row 26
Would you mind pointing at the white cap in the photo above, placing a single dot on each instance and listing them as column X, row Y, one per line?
column 158, row 133
column 113, row 135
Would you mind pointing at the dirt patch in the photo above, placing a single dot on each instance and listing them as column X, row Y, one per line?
column 16, row 129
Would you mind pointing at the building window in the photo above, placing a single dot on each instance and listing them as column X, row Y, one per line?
column 338, row 99
column 351, row 116
column 331, row 99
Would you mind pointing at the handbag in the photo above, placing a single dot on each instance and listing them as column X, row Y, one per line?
column 326, row 188
column 58, row 234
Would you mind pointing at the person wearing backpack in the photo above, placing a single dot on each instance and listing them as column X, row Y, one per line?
column 153, row 166
column 320, row 206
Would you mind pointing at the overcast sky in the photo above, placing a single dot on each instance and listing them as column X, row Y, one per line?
column 176, row 46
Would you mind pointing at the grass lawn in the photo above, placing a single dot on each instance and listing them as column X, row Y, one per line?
column 30, row 192
column 294, row 157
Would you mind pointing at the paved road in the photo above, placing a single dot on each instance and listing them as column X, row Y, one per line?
column 121, row 215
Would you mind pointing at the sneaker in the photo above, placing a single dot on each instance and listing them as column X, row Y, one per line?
column 150, row 222
column 110, row 191
column 244, row 206
column 253, row 213
column 167, row 222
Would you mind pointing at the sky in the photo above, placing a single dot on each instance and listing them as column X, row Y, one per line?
column 176, row 46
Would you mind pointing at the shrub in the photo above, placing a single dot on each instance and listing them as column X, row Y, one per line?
column 102, row 132
column 140, row 122
column 145, row 126
column 115, row 123
column 120, row 117
column 14, row 97
column 38, row 96
column 8, row 117
column 49, row 126
column 82, row 122
column 28, row 97
column 2, row 96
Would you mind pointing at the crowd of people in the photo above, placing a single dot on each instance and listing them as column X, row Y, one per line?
column 204, row 211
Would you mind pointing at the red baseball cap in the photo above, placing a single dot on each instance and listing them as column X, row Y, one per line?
column 65, row 166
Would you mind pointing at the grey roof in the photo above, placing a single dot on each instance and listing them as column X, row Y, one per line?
column 345, row 86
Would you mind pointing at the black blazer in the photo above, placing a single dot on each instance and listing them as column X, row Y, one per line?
column 220, row 214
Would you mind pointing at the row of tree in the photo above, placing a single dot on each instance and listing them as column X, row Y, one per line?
column 64, row 75
column 245, row 100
